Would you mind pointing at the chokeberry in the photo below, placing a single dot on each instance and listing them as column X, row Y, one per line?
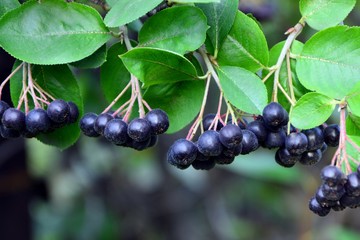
column 332, row 175
column 296, row 143
column 332, row 193
column 316, row 208
column 139, row 129
column 73, row 112
column 101, row 121
column 232, row 152
column 115, row 131
column 37, row 121
column 139, row 145
column 350, row 201
column 203, row 165
column 223, row 160
column 332, row 135
column 275, row 139
column 321, row 198
column 230, row 136
column 8, row 132
column 275, row 115
column 153, row 141
column 311, row 157
column 182, row 153
column 209, row 143
column 258, row 128
column 285, row 159
column 87, row 124
column 208, row 119
column 158, row 120
column 315, row 138
column 58, row 111
column 14, row 119
column 3, row 107
column 249, row 142
column 352, row 185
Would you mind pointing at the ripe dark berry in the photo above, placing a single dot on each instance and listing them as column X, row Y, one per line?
column 223, row 160
column 8, row 132
column 285, row 159
column 208, row 119
column 249, row 143
column 87, row 125
column 311, row 157
column 58, row 111
column 258, row 128
column 153, row 141
column 323, row 148
column 139, row 145
column 275, row 115
column 115, row 131
column 203, row 165
column 332, row 193
column 73, row 112
column 209, row 143
column 315, row 138
column 352, row 185
column 139, row 129
column 350, row 201
column 316, row 208
column 182, row 153
column 14, row 119
column 232, row 152
column 321, row 198
column 275, row 139
column 332, row 135
column 3, row 107
column 101, row 121
column 296, row 143
column 332, row 175
column 230, row 136
column 37, row 121
column 158, row 120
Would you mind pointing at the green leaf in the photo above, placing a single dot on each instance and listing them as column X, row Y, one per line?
column 330, row 61
column 196, row 1
column 321, row 14
column 95, row 60
column 243, row 89
column 353, row 100
column 114, row 76
column 181, row 101
column 7, row 5
column 353, row 126
column 156, row 66
column 220, row 17
column 50, row 36
column 177, row 29
column 311, row 110
column 125, row 11
column 299, row 89
column 58, row 81
column 245, row 46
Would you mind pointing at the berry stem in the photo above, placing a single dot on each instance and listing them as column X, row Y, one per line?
column 295, row 31
column 342, row 141
column 116, row 99
column 198, row 120
column 289, row 74
column 268, row 75
column 210, row 67
column 42, row 92
column 286, row 95
column 9, row 77
column 121, row 108
column 31, row 87
column 146, row 105
column 25, row 90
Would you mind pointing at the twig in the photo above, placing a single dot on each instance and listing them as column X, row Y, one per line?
column 9, row 77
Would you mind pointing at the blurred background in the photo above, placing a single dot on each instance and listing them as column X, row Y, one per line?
column 95, row 190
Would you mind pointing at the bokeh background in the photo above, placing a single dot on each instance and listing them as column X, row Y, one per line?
column 95, row 190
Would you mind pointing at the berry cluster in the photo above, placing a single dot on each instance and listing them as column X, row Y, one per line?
column 221, row 144
column 139, row 134
column 336, row 192
column 15, row 123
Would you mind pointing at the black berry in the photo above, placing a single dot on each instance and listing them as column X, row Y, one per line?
column 115, row 131
column 14, row 119
column 249, row 142
column 352, row 185
column 275, row 115
column 209, row 143
column 332, row 135
column 230, row 136
column 73, row 112
column 101, row 121
column 139, row 129
column 3, row 107
column 203, row 165
column 208, row 119
column 58, row 111
column 182, row 153
column 258, row 128
column 311, row 157
column 37, row 121
column 315, row 138
column 158, row 120
column 296, row 143
column 316, row 208
column 331, row 175
column 285, row 159
column 87, row 125
column 275, row 139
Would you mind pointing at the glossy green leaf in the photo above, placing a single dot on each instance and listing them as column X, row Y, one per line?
column 181, row 101
column 125, row 11
column 353, row 126
column 58, row 81
column 220, row 17
column 50, row 35
column 95, row 60
column 299, row 89
column 353, row 100
column 7, row 5
column 243, row 89
column 312, row 110
column 156, row 66
column 330, row 61
column 196, row 1
column 114, row 76
column 177, row 29
column 245, row 46
column 321, row 14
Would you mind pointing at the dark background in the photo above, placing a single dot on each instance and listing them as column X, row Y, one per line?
column 94, row 190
